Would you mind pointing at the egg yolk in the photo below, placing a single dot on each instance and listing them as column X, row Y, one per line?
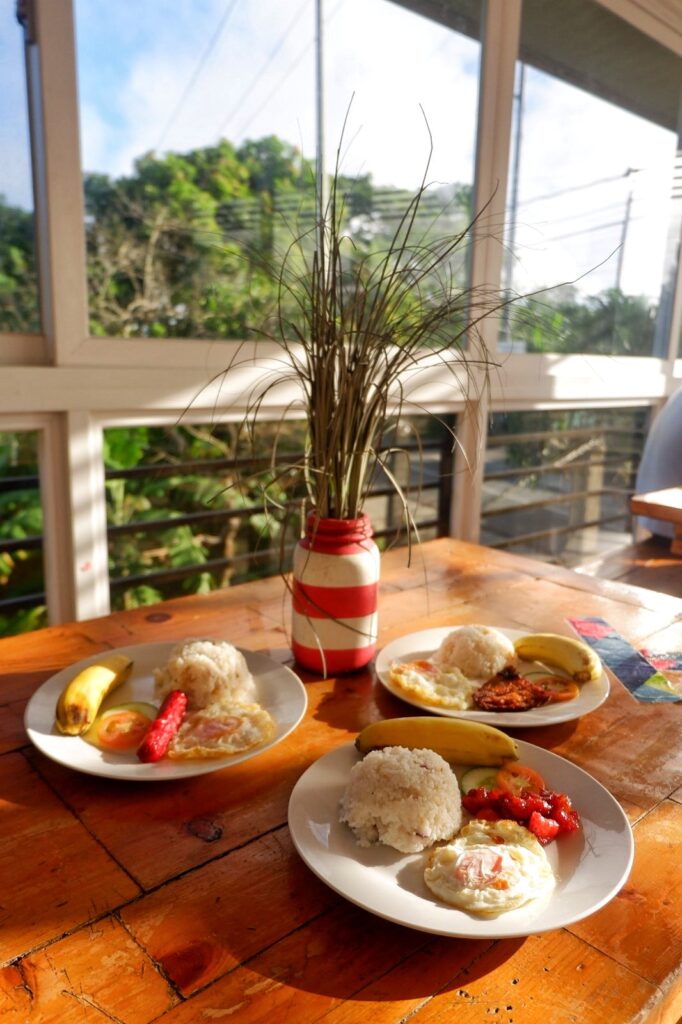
column 478, row 868
column 215, row 728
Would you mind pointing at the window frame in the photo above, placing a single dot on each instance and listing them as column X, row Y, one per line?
column 76, row 385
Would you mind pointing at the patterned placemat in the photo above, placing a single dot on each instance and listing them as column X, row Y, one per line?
column 641, row 675
column 670, row 660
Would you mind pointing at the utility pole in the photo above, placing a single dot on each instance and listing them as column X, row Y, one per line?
column 513, row 201
column 621, row 254
column 321, row 189
column 624, row 231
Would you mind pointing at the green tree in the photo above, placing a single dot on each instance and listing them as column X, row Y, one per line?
column 610, row 323
column 159, row 261
column 18, row 279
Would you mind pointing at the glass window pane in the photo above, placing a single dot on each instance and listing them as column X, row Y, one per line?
column 557, row 484
column 19, row 310
column 22, row 598
column 198, row 125
column 591, row 212
column 186, row 516
column 200, row 138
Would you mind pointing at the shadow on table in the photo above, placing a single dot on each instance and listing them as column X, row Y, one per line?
column 358, row 699
column 369, row 960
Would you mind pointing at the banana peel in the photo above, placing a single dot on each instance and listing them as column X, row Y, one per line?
column 570, row 655
column 457, row 740
column 82, row 697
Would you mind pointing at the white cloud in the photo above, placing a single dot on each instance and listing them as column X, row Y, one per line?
column 397, row 63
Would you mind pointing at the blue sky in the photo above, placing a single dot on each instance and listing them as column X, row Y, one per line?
column 15, row 161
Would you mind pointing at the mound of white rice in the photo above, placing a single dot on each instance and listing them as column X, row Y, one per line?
column 209, row 672
column 407, row 799
column 477, row 651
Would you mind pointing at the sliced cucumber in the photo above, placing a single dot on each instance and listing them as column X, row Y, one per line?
column 475, row 778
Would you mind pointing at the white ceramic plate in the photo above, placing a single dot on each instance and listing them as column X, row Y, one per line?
column 279, row 691
column 590, row 865
column 423, row 645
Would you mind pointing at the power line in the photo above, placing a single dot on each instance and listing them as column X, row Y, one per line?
column 289, row 71
column 579, row 188
column 195, row 74
column 588, row 231
column 259, row 74
column 581, row 214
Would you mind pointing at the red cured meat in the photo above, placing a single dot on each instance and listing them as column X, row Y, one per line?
column 163, row 728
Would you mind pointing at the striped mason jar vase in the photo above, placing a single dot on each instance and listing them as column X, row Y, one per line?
column 335, row 592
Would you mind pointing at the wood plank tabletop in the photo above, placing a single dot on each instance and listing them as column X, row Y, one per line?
column 185, row 901
column 665, row 505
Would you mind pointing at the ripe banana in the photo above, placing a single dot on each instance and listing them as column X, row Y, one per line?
column 565, row 652
column 458, row 740
column 82, row 697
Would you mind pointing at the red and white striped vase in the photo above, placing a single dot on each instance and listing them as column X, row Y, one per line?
column 335, row 594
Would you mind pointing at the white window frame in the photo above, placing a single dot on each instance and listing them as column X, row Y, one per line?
column 70, row 386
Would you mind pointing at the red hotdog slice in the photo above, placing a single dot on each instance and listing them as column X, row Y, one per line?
column 163, row 728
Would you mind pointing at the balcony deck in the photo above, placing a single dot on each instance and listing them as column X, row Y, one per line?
column 648, row 563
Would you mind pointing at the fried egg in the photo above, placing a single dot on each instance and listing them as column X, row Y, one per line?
column 491, row 867
column 218, row 731
column 431, row 684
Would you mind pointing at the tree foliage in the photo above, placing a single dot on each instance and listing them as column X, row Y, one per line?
column 18, row 278
column 611, row 323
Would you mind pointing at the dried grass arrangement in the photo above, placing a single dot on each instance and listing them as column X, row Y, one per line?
column 358, row 329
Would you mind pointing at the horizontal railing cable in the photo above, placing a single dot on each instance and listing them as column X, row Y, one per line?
column 551, row 467
column 555, row 499
column 554, row 531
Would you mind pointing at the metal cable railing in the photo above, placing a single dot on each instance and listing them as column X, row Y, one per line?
column 432, row 516
column 515, row 514
column 542, row 507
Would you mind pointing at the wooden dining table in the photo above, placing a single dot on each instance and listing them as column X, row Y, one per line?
column 186, row 901
column 664, row 505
